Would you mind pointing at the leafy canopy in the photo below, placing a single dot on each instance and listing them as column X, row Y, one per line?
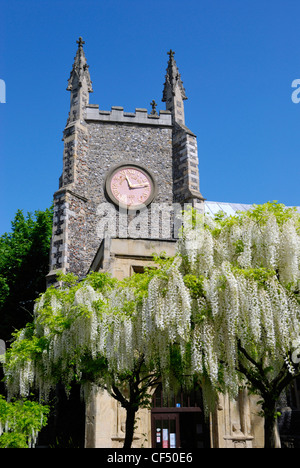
column 24, row 262
column 20, row 422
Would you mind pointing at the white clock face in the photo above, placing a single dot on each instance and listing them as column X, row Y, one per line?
column 130, row 186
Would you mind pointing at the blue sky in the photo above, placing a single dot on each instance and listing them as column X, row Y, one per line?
column 237, row 60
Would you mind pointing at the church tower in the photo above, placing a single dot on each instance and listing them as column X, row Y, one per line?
column 125, row 175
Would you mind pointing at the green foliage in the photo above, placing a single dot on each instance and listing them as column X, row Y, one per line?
column 101, row 281
column 24, row 349
column 67, row 279
column 258, row 213
column 195, row 285
column 21, row 420
column 261, row 212
column 24, row 262
column 139, row 282
column 259, row 275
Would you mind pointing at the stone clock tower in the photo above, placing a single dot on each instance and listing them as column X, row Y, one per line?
column 124, row 175
column 125, row 178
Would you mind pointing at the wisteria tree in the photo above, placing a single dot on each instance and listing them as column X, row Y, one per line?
column 105, row 333
column 243, row 274
column 226, row 309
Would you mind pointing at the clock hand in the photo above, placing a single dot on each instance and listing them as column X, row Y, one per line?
column 135, row 185
column 128, row 181
column 139, row 185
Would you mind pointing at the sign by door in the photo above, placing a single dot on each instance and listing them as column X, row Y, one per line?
column 165, row 438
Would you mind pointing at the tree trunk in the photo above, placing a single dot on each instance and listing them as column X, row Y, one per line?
column 272, row 440
column 130, row 420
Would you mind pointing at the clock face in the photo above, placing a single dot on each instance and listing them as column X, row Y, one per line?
column 130, row 186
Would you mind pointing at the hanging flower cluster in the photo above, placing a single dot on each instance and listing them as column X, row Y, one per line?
column 249, row 267
column 112, row 323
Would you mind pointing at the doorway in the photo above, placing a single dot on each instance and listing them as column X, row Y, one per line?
column 178, row 421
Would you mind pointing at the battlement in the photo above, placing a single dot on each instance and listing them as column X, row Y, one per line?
column 117, row 114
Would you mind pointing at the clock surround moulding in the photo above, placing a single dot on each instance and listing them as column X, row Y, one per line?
column 139, row 201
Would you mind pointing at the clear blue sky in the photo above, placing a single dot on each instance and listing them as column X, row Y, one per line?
column 237, row 60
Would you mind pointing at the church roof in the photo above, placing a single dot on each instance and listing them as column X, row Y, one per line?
column 229, row 208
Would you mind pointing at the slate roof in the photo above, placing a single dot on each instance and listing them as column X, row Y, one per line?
column 228, row 208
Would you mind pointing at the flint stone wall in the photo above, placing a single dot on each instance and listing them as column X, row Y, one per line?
column 91, row 150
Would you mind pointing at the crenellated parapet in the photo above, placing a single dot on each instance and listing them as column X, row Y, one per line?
column 117, row 114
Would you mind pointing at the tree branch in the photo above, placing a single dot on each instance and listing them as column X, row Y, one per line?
column 284, row 379
column 117, row 395
column 250, row 359
column 255, row 382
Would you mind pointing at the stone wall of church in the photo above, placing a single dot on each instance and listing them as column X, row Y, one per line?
column 90, row 152
column 111, row 144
